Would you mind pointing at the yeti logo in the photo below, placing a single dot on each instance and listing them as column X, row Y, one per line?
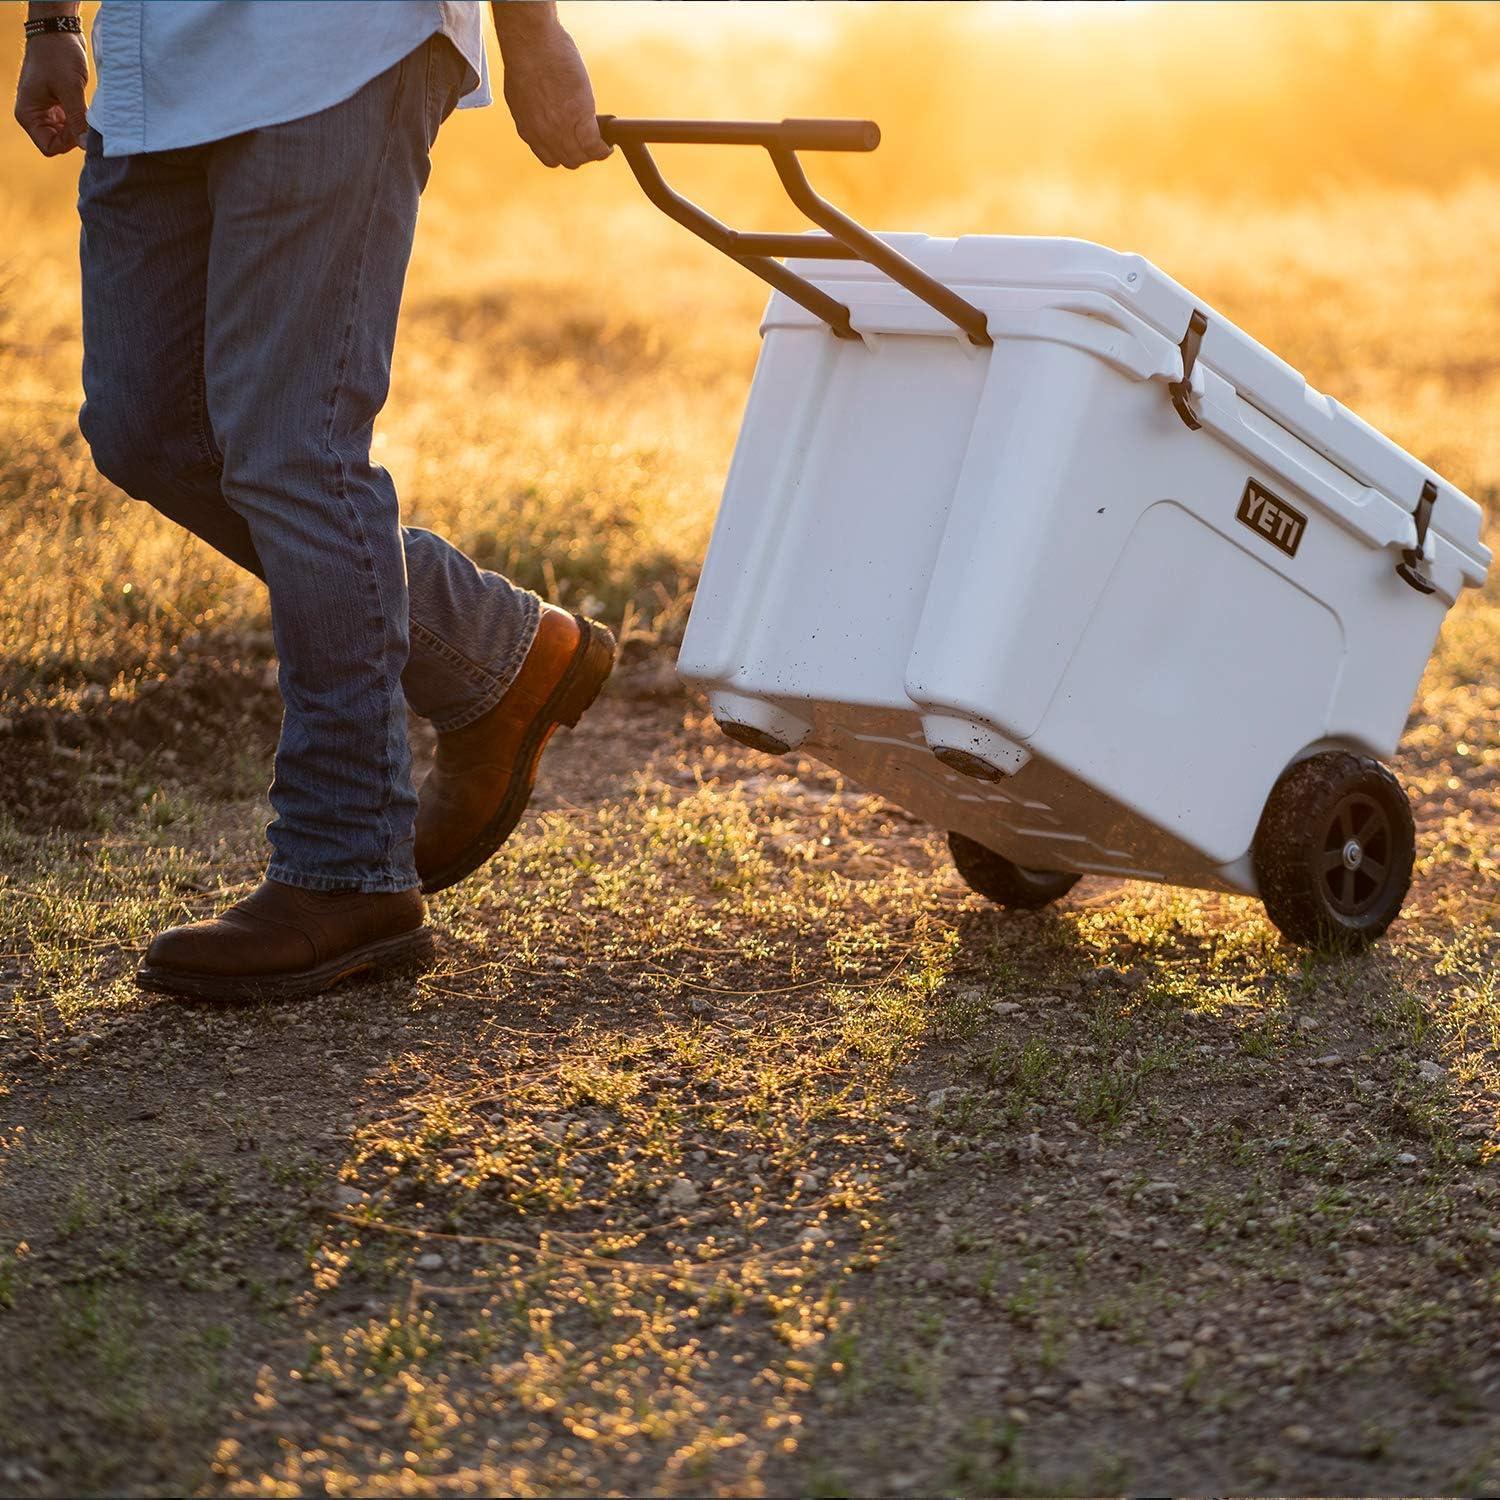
column 1274, row 519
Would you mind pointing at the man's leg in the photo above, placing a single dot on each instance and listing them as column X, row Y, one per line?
column 144, row 250
column 488, row 665
column 312, row 227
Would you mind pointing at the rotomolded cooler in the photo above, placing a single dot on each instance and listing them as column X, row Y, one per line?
column 1026, row 538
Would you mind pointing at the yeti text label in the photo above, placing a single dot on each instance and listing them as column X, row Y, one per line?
column 1274, row 519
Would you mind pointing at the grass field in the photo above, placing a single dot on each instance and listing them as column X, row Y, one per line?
column 734, row 1147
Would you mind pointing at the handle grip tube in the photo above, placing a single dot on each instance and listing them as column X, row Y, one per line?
column 790, row 135
column 843, row 238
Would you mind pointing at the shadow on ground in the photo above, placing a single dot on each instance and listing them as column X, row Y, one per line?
column 734, row 1147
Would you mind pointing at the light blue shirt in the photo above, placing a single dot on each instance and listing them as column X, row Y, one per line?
column 180, row 72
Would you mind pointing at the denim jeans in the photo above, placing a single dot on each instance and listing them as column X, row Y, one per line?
column 239, row 313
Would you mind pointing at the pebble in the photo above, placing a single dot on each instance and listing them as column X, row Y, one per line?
column 1431, row 1071
column 1328, row 1060
column 1177, row 1349
column 1004, row 1007
column 1308, row 1023
column 432, row 1261
column 1405, row 1159
column 682, row 1192
column 1297, row 1433
column 346, row 1196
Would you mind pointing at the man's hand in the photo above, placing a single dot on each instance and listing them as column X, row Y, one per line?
column 547, row 86
column 49, row 96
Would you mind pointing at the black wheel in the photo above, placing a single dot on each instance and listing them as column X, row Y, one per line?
column 1006, row 884
column 1334, row 851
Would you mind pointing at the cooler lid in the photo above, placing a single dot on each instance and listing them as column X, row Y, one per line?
column 1258, row 376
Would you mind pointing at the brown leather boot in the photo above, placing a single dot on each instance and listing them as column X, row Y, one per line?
column 282, row 941
column 483, row 774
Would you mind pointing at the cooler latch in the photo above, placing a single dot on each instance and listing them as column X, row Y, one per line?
column 1412, row 558
column 1192, row 341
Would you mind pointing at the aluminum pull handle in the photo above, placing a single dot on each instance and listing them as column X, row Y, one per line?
column 843, row 239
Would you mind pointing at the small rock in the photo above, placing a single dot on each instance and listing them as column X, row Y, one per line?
column 682, row 1192
column 346, row 1196
column 1297, row 1433
column 1004, row 1007
column 1431, row 1071
column 432, row 1261
column 1328, row 1060
column 1177, row 1349
column 1405, row 1159
column 1308, row 1023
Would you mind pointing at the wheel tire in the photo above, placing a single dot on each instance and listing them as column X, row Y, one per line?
column 1334, row 851
column 1006, row 884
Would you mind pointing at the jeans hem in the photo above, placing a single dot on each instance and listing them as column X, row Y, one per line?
column 501, row 680
column 371, row 885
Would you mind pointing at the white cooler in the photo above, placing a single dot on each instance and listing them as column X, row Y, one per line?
column 1110, row 591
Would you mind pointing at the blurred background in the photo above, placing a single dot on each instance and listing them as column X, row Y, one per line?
column 572, row 366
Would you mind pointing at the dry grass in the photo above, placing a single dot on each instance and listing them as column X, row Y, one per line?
column 734, row 1147
column 572, row 365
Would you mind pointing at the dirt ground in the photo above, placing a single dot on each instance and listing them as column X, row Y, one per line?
column 734, row 1147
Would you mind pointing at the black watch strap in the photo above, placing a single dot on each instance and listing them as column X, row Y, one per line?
column 46, row 25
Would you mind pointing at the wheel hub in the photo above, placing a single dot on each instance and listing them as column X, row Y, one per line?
column 1356, row 855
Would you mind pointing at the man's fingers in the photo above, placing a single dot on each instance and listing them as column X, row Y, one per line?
column 46, row 130
column 41, row 137
column 582, row 144
column 76, row 117
column 591, row 145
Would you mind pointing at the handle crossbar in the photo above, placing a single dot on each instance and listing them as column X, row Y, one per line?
column 792, row 135
column 843, row 238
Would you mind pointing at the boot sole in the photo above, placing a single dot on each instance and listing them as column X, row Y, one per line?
column 577, row 688
column 409, row 952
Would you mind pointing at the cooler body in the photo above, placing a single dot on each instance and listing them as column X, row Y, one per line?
column 1013, row 590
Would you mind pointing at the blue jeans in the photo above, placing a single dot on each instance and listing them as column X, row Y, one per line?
column 239, row 312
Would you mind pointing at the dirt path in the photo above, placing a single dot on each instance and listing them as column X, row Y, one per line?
column 734, row 1147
